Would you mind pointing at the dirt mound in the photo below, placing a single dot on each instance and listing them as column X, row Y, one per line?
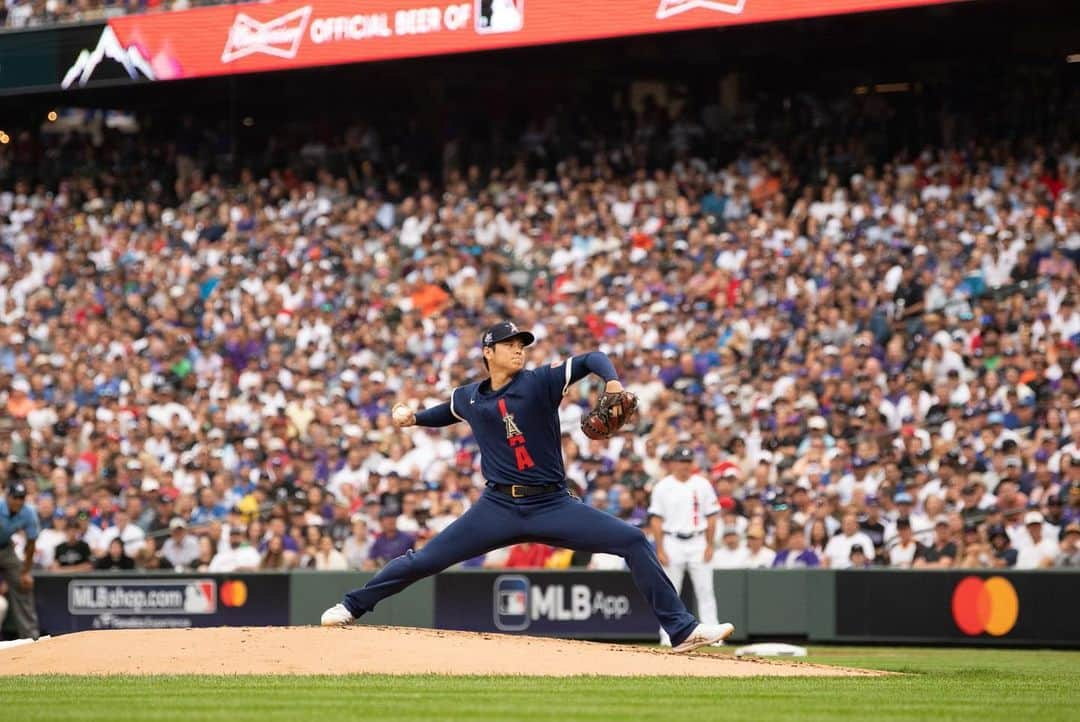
column 368, row 650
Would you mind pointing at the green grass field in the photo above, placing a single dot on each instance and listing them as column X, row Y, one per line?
column 937, row 684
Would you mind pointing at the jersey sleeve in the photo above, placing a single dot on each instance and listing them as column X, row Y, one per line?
column 445, row 414
column 556, row 378
column 459, row 404
column 560, row 375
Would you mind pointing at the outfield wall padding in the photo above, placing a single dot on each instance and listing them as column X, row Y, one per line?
column 975, row 608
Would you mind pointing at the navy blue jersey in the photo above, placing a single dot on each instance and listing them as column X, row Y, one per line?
column 517, row 426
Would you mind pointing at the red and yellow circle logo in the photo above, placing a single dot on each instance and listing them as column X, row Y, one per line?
column 233, row 594
column 985, row 605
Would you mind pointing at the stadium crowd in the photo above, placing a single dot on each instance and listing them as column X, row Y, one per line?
column 40, row 13
column 875, row 363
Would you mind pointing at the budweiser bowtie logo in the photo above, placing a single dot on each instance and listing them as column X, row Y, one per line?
column 674, row 7
column 280, row 36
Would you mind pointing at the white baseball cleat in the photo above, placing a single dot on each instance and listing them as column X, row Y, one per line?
column 337, row 616
column 705, row 634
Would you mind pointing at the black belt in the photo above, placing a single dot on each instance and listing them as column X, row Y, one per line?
column 520, row 491
column 691, row 535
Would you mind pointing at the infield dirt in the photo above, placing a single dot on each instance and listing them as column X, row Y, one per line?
column 371, row 650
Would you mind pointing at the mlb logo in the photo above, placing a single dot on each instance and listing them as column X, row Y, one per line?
column 200, row 597
column 511, row 603
column 499, row 16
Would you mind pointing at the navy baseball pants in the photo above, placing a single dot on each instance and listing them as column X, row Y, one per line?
column 557, row 519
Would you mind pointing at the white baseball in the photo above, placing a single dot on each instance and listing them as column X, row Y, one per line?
column 401, row 414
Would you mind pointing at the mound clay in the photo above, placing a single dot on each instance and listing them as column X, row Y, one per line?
column 369, row 650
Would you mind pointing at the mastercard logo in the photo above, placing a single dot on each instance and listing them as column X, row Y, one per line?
column 985, row 605
column 233, row 594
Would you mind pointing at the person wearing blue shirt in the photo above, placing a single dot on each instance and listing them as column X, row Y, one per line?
column 514, row 417
column 16, row 515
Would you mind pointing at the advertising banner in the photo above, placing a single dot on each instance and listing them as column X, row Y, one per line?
column 287, row 34
column 586, row 605
column 77, row 603
column 985, row 608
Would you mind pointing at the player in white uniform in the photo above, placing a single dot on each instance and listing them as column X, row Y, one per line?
column 684, row 510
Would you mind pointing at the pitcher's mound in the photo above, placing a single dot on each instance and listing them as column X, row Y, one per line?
column 367, row 650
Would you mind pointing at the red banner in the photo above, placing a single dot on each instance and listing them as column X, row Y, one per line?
column 298, row 33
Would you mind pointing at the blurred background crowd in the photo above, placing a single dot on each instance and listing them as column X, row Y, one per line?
column 858, row 311
column 41, row 13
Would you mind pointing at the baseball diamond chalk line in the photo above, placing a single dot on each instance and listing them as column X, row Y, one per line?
column 371, row 650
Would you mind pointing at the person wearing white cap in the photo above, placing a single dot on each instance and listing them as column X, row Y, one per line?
column 181, row 548
column 817, row 428
column 1041, row 551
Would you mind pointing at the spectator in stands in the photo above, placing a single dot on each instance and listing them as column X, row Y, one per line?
column 116, row 558
column 238, row 555
column 818, row 539
column 328, row 558
column 838, row 550
column 858, row 559
column 975, row 551
column 796, row 554
column 942, row 553
column 903, row 551
column 357, row 548
column 1040, row 551
column 1004, row 555
column 276, row 556
column 207, row 550
column 528, row 555
column 732, row 553
column 758, row 556
column 1069, row 548
column 73, row 554
column 1071, row 511
column 131, row 535
column 390, row 543
column 181, row 549
column 150, row 559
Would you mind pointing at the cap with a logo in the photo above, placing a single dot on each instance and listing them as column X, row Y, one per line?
column 1033, row 517
column 177, row 523
column 680, row 453
column 16, row 490
column 505, row 331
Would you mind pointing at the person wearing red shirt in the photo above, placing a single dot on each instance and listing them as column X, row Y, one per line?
column 528, row 556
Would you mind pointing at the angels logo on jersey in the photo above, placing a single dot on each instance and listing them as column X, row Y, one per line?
column 674, row 7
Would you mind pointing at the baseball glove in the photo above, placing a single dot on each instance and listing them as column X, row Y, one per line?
column 611, row 413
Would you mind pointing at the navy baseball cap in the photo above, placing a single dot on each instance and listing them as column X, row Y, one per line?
column 16, row 490
column 680, row 453
column 505, row 331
